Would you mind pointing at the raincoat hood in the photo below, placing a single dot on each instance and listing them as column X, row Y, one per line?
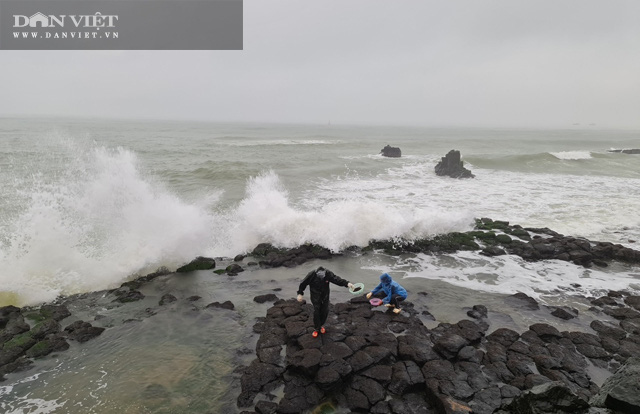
column 385, row 278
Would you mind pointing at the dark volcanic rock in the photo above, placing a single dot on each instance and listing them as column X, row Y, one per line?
column 233, row 269
column 275, row 257
column 565, row 313
column 451, row 165
column 621, row 392
column 55, row 312
column 14, row 325
column 125, row 295
column 167, row 298
column 524, row 300
column 224, row 305
column 552, row 397
column 47, row 346
column 374, row 361
column 389, row 151
column 269, row 297
column 82, row 331
column 449, row 345
column 199, row 263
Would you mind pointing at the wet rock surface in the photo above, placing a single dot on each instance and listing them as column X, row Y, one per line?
column 490, row 238
column 270, row 256
column 389, row 151
column 20, row 342
column 199, row 263
column 450, row 165
column 621, row 392
column 374, row 361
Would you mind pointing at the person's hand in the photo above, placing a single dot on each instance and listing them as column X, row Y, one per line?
column 369, row 295
column 299, row 298
column 350, row 286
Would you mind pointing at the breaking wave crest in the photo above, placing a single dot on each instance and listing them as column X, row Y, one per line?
column 99, row 219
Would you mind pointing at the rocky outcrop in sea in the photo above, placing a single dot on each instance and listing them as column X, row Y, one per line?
column 389, row 151
column 450, row 165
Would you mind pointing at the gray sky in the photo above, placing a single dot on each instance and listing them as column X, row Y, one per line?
column 545, row 63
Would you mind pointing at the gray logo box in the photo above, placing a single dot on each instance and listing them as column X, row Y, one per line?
column 121, row 24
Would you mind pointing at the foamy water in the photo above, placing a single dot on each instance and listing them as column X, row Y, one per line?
column 86, row 210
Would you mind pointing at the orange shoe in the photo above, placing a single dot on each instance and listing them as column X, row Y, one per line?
column 322, row 330
column 315, row 334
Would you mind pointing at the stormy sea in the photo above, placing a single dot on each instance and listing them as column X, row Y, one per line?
column 87, row 205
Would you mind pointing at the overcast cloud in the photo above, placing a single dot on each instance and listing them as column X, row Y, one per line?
column 545, row 63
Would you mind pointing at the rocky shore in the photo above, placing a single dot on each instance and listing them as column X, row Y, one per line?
column 375, row 361
column 372, row 360
column 490, row 237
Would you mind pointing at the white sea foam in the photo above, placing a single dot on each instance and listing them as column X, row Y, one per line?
column 266, row 215
column 572, row 155
column 100, row 221
column 576, row 205
column 508, row 274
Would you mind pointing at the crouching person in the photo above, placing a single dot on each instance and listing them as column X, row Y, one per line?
column 390, row 292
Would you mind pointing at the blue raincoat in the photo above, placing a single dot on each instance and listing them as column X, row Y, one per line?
column 390, row 288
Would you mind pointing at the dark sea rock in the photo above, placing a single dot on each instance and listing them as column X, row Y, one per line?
column 621, row 392
column 551, row 397
column 224, row 305
column 233, row 269
column 126, row 295
column 564, row 312
column 166, row 299
column 450, row 165
column 55, row 312
column 367, row 363
column 532, row 244
column 498, row 238
column 389, row 151
column 82, row 331
column 199, row 263
column 269, row 297
column 272, row 256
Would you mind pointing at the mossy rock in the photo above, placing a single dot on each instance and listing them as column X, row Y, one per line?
column 263, row 249
column 503, row 239
column 199, row 263
column 476, row 233
column 23, row 341
column 34, row 316
column 39, row 349
column 219, row 271
column 488, row 224
column 486, row 235
column 455, row 241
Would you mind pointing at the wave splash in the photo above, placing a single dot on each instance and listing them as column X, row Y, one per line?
column 93, row 225
column 266, row 215
column 99, row 220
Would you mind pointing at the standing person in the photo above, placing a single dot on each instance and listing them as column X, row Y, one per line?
column 318, row 281
column 390, row 292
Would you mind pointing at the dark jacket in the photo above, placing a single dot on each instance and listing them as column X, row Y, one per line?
column 390, row 287
column 319, row 285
